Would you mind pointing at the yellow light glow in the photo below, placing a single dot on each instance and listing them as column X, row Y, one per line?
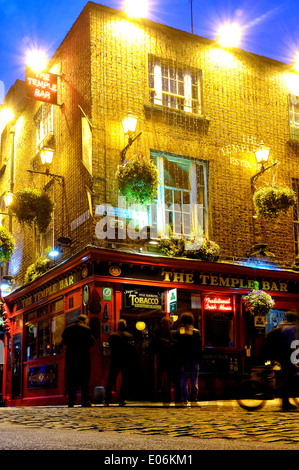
column 136, row 8
column 36, row 60
column 229, row 35
column 129, row 124
column 46, row 156
column 6, row 115
column 8, row 198
column 140, row 326
column 262, row 153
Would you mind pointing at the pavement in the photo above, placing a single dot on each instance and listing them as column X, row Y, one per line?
column 211, row 425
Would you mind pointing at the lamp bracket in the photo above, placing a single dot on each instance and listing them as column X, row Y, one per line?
column 263, row 169
column 59, row 178
column 131, row 140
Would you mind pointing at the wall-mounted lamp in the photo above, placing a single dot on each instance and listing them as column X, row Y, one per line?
column 8, row 197
column 129, row 124
column 46, row 155
column 54, row 253
column 262, row 156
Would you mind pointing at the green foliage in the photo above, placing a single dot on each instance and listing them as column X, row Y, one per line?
column 259, row 302
column 36, row 269
column 7, row 244
column 198, row 247
column 270, row 201
column 33, row 206
column 138, row 179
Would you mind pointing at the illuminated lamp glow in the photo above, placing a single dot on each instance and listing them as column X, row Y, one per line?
column 54, row 253
column 36, row 60
column 140, row 325
column 229, row 35
column 136, row 8
column 129, row 124
column 46, row 156
column 6, row 115
column 262, row 153
column 8, row 197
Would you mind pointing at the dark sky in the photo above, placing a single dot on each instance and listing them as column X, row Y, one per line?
column 271, row 27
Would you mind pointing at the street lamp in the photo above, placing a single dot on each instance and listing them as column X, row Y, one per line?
column 46, row 155
column 8, row 197
column 262, row 156
column 129, row 124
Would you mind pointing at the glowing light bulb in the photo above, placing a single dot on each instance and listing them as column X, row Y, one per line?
column 36, row 60
column 136, row 8
column 229, row 35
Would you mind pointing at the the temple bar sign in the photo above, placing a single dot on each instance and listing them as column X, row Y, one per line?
column 41, row 86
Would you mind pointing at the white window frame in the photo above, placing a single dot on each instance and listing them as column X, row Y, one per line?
column 198, row 212
column 45, row 125
column 294, row 116
column 158, row 95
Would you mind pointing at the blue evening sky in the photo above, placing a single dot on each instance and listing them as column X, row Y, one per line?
column 271, row 27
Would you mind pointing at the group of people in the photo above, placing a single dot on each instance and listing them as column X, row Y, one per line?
column 178, row 352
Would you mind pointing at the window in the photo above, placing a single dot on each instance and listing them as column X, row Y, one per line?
column 182, row 196
column 296, row 215
column 294, row 116
column 44, row 124
column 43, row 336
column 174, row 86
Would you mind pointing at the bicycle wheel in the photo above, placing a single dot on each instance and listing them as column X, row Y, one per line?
column 251, row 395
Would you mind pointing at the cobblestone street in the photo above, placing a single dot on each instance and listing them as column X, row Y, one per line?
column 211, row 420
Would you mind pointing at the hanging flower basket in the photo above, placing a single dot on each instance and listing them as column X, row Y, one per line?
column 7, row 244
column 33, row 207
column 259, row 302
column 271, row 201
column 36, row 269
column 196, row 248
column 138, row 179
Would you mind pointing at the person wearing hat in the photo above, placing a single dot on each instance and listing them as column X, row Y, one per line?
column 121, row 344
column 78, row 339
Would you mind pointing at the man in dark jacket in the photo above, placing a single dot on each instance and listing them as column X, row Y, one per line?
column 121, row 344
column 279, row 347
column 78, row 340
column 188, row 347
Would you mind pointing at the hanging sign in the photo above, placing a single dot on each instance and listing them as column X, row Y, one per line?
column 172, row 300
column 41, row 86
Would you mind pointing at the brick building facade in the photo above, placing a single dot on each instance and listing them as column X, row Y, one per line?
column 203, row 111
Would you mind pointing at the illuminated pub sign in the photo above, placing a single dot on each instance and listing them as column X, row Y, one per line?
column 142, row 297
column 41, row 86
column 222, row 304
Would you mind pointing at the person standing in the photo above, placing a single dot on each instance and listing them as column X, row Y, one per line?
column 188, row 347
column 163, row 347
column 279, row 348
column 78, row 339
column 121, row 344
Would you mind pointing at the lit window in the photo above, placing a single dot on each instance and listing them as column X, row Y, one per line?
column 294, row 116
column 182, row 196
column 174, row 86
column 44, row 124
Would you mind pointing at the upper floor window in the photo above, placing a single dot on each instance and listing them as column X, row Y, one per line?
column 182, row 195
column 173, row 85
column 294, row 116
column 44, row 124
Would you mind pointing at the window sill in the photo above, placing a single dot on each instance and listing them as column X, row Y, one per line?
column 166, row 115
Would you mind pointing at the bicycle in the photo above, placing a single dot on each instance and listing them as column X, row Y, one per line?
column 264, row 384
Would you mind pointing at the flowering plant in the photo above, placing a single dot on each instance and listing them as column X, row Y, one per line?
column 36, row 269
column 33, row 206
column 270, row 201
column 7, row 244
column 138, row 179
column 198, row 247
column 259, row 302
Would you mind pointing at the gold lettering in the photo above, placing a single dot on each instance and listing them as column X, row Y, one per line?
column 214, row 281
column 250, row 284
column 204, row 278
column 266, row 285
column 283, row 287
column 274, row 286
column 223, row 282
column 189, row 278
column 178, row 277
column 167, row 275
column 234, row 282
